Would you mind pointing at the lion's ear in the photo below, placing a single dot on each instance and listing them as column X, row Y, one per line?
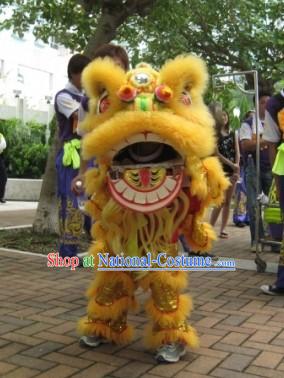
column 185, row 73
column 102, row 75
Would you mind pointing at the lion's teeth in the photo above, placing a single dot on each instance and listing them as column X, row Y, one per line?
column 120, row 186
column 128, row 194
column 162, row 192
column 152, row 197
column 170, row 183
column 140, row 197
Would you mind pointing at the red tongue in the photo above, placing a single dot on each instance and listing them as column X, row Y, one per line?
column 145, row 175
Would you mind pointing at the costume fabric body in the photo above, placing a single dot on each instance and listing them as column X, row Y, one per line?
column 152, row 137
column 240, row 214
column 274, row 133
column 71, row 220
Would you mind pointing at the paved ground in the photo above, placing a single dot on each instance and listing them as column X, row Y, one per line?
column 16, row 213
column 242, row 330
column 16, row 218
column 18, row 205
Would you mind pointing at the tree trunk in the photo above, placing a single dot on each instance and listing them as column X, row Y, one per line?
column 106, row 33
column 46, row 219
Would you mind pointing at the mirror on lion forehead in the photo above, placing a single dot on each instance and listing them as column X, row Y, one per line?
column 142, row 78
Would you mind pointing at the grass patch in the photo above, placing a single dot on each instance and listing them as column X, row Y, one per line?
column 27, row 240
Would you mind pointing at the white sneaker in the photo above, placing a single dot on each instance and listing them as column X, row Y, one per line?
column 253, row 248
column 93, row 341
column 170, row 352
column 272, row 290
column 263, row 199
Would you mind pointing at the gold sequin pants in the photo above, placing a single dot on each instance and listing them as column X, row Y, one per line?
column 111, row 296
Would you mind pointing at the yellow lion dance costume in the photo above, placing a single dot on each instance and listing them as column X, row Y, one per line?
column 153, row 139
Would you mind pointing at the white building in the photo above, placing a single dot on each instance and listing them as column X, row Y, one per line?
column 31, row 73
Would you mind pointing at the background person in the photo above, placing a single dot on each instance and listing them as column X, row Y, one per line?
column 240, row 215
column 274, row 135
column 247, row 136
column 67, row 102
column 229, row 155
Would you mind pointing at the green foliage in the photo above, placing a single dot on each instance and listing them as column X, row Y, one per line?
column 278, row 86
column 233, row 99
column 231, row 35
column 26, row 152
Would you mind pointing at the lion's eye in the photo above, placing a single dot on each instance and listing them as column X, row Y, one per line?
column 103, row 103
column 185, row 98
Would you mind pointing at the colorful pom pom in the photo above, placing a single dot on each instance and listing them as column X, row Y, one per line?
column 127, row 93
column 163, row 93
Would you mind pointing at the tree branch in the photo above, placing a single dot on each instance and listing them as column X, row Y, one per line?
column 114, row 14
column 88, row 5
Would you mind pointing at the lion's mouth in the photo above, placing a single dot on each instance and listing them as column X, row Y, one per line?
column 146, row 173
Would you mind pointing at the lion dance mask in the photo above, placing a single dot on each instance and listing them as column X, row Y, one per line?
column 152, row 137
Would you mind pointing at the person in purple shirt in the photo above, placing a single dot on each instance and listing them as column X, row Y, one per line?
column 67, row 102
